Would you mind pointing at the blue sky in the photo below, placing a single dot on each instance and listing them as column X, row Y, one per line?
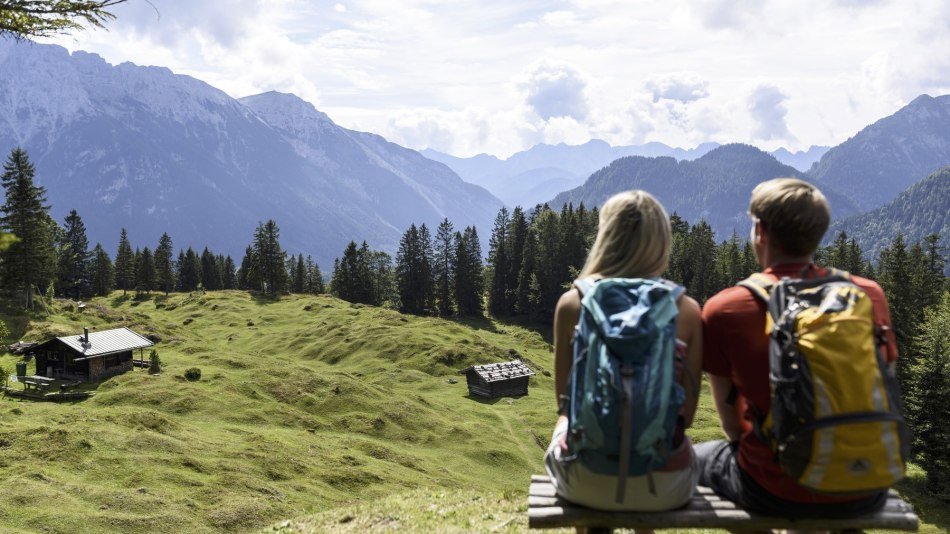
column 499, row 76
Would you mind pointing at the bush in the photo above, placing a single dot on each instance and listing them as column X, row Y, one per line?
column 154, row 363
column 193, row 374
column 4, row 332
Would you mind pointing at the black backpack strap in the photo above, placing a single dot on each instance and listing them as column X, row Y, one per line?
column 759, row 284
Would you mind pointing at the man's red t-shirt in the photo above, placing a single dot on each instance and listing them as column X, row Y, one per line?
column 736, row 345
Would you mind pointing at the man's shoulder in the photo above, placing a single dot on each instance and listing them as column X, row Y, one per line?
column 730, row 301
column 869, row 286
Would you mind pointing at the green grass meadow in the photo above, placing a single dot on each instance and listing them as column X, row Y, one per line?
column 311, row 415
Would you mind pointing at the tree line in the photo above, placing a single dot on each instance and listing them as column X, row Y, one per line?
column 55, row 260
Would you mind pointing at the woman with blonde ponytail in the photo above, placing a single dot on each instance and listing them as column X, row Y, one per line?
column 633, row 241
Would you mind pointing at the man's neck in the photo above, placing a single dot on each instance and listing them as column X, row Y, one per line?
column 780, row 259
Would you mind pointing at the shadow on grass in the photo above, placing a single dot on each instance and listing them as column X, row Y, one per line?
column 482, row 400
column 117, row 300
column 929, row 508
column 479, row 322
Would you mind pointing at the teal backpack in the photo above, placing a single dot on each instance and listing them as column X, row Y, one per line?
column 624, row 399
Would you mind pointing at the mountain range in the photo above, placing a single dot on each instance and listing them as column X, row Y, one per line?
column 537, row 174
column 153, row 151
column 890, row 155
column 920, row 210
column 715, row 187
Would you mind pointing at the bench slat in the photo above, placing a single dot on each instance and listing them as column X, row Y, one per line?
column 705, row 510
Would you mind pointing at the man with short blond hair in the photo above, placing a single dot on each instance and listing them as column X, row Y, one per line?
column 789, row 219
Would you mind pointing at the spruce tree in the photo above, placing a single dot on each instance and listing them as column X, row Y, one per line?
column 928, row 402
column 700, row 276
column 30, row 260
column 73, row 264
column 468, row 275
column 551, row 270
column 528, row 291
column 210, row 273
column 247, row 275
column 300, row 276
column 145, row 272
column 164, row 268
column 346, row 274
column 314, row 280
column 189, row 271
column 444, row 258
column 101, row 271
column 270, row 258
column 228, row 279
column 124, row 264
column 499, row 264
column 427, row 276
column 409, row 272
column 517, row 234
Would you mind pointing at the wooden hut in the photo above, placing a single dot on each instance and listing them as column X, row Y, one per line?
column 90, row 357
column 505, row 379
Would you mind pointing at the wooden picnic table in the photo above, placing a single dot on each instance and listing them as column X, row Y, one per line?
column 37, row 382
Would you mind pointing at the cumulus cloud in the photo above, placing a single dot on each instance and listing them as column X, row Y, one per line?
column 766, row 105
column 555, row 89
column 681, row 86
column 339, row 8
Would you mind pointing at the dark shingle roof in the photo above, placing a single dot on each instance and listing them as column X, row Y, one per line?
column 495, row 372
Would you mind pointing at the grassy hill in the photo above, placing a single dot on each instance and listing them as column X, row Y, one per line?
column 341, row 415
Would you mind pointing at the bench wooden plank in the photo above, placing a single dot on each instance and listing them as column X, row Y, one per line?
column 705, row 510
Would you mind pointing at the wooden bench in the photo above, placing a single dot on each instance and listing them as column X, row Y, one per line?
column 705, row 510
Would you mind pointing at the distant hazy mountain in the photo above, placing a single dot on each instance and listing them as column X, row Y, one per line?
column 890, row 155
column 920, row 210
column 715, row 187
column 801, row 160
column 535, row 175
column 144, row 148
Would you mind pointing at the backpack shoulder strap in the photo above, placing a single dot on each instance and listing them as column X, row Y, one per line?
column 584, row 285
column 759, row 284
column 838, row 272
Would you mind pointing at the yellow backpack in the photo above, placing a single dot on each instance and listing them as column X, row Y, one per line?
column 835, row 422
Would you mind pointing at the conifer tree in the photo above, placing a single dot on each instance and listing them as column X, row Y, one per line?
column 30, row 260
column 101, row 271
column 270, row 258
column 246, row 278
column 426, row 260
column 928, row 402
column 314, row 281
column 124, row 264
column 164, row 268
column 189, row 271
column 499, row 264
column 346, row 274
column 228, row 279
column 145, row 272
column 528, row 288
column 383, row 278
column 701, row 257
column 444, row 259
column 468, row 273
column 300, row 276
column 210, row 273
column 551, row 271
column 410, row 272
column 517, row 234
column 73, row 264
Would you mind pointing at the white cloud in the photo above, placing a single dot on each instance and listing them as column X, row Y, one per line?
column 681, row 86
column 767, row 108
column 555, row 89
column 470, row 75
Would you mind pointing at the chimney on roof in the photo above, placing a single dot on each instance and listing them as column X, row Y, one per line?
column 85, row 334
